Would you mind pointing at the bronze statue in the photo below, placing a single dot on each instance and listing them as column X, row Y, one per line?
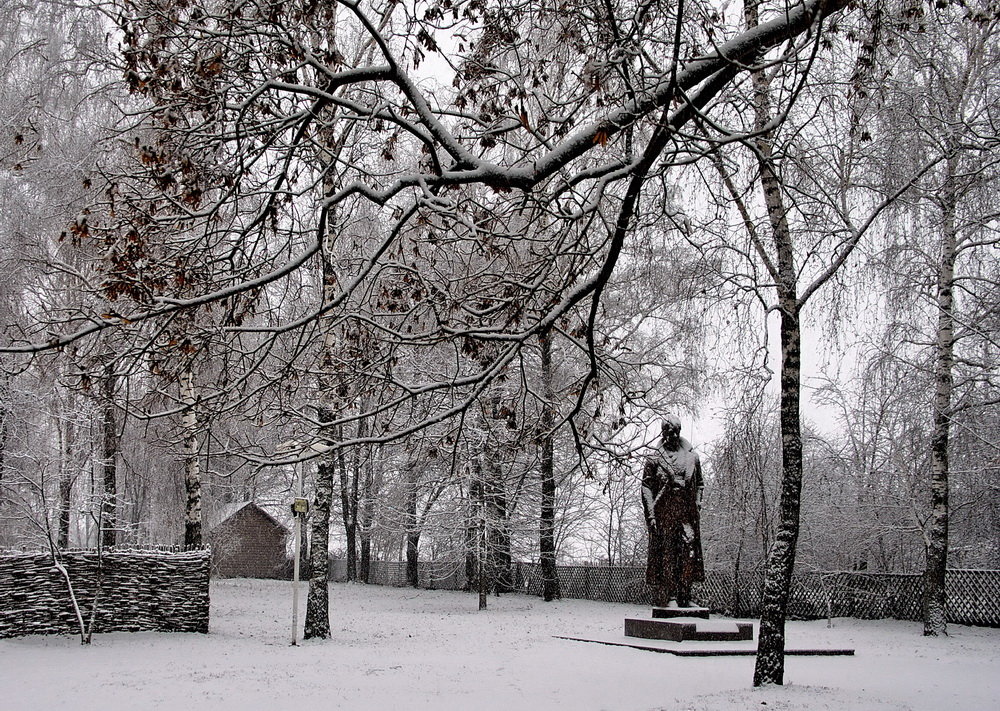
column 671, row 497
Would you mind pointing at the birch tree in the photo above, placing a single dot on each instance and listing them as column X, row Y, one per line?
column 946, row 110
column 802, row 215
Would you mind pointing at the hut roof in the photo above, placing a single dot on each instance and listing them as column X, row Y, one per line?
column 230, row 511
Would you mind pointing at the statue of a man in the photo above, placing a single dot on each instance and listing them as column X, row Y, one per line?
column 671, row 496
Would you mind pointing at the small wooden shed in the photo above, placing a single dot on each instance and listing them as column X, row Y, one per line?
column 249, row 543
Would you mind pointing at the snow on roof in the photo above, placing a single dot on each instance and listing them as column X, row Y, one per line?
column 229, row 510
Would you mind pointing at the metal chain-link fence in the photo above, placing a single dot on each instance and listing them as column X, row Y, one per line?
column 973, row 595
column 432, row 575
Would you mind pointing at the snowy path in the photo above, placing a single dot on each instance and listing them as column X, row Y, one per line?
column 402, row 649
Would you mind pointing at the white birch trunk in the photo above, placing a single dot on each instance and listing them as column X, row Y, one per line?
column 192, row 466
column 936, row 528
column 317, row 624
column 770, row 662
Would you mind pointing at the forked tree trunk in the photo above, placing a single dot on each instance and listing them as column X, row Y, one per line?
column 546, row 533
column 192, row 466
column 936, row 528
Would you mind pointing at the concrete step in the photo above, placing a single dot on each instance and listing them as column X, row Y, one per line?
column 745, row 648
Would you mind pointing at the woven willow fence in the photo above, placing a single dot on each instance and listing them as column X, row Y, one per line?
column 973, row 595
column 161, row 590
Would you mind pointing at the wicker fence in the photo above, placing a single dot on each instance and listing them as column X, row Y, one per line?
column 159, row 590
column 973, row 595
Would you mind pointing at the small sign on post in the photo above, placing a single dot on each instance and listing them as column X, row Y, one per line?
column 300, row 507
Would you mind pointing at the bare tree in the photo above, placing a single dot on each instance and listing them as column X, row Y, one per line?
column 946, row 111
column 799, row 191
column 235, row 98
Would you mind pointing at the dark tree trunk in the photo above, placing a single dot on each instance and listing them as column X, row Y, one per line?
column 412, row 529
column 366, row 519
column 503, row 562
column 352, row 553
column 936, row 528
column 413, row 559
column 470, row 558
column 352, row 532
column 65, row 494
column 66, row 435
column 349, row 508
column 109, row 456
column 305, row 569
column 472, row 532
column 5, row 418
column 547, row 527
column 547, row 544
column 484, row 572
column 481, row 578
column 365, row 559
column 498, row 554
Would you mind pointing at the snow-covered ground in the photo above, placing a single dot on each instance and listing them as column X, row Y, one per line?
column 402, row 649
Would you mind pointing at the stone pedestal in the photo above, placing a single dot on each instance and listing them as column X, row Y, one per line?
column 688, row 632
column 680, row 629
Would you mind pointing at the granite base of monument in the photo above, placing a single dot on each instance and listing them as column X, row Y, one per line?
column 691, row 623
column 688, row 632
column 689, row 628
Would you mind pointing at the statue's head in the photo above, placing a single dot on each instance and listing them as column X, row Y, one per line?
column 671, row 427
